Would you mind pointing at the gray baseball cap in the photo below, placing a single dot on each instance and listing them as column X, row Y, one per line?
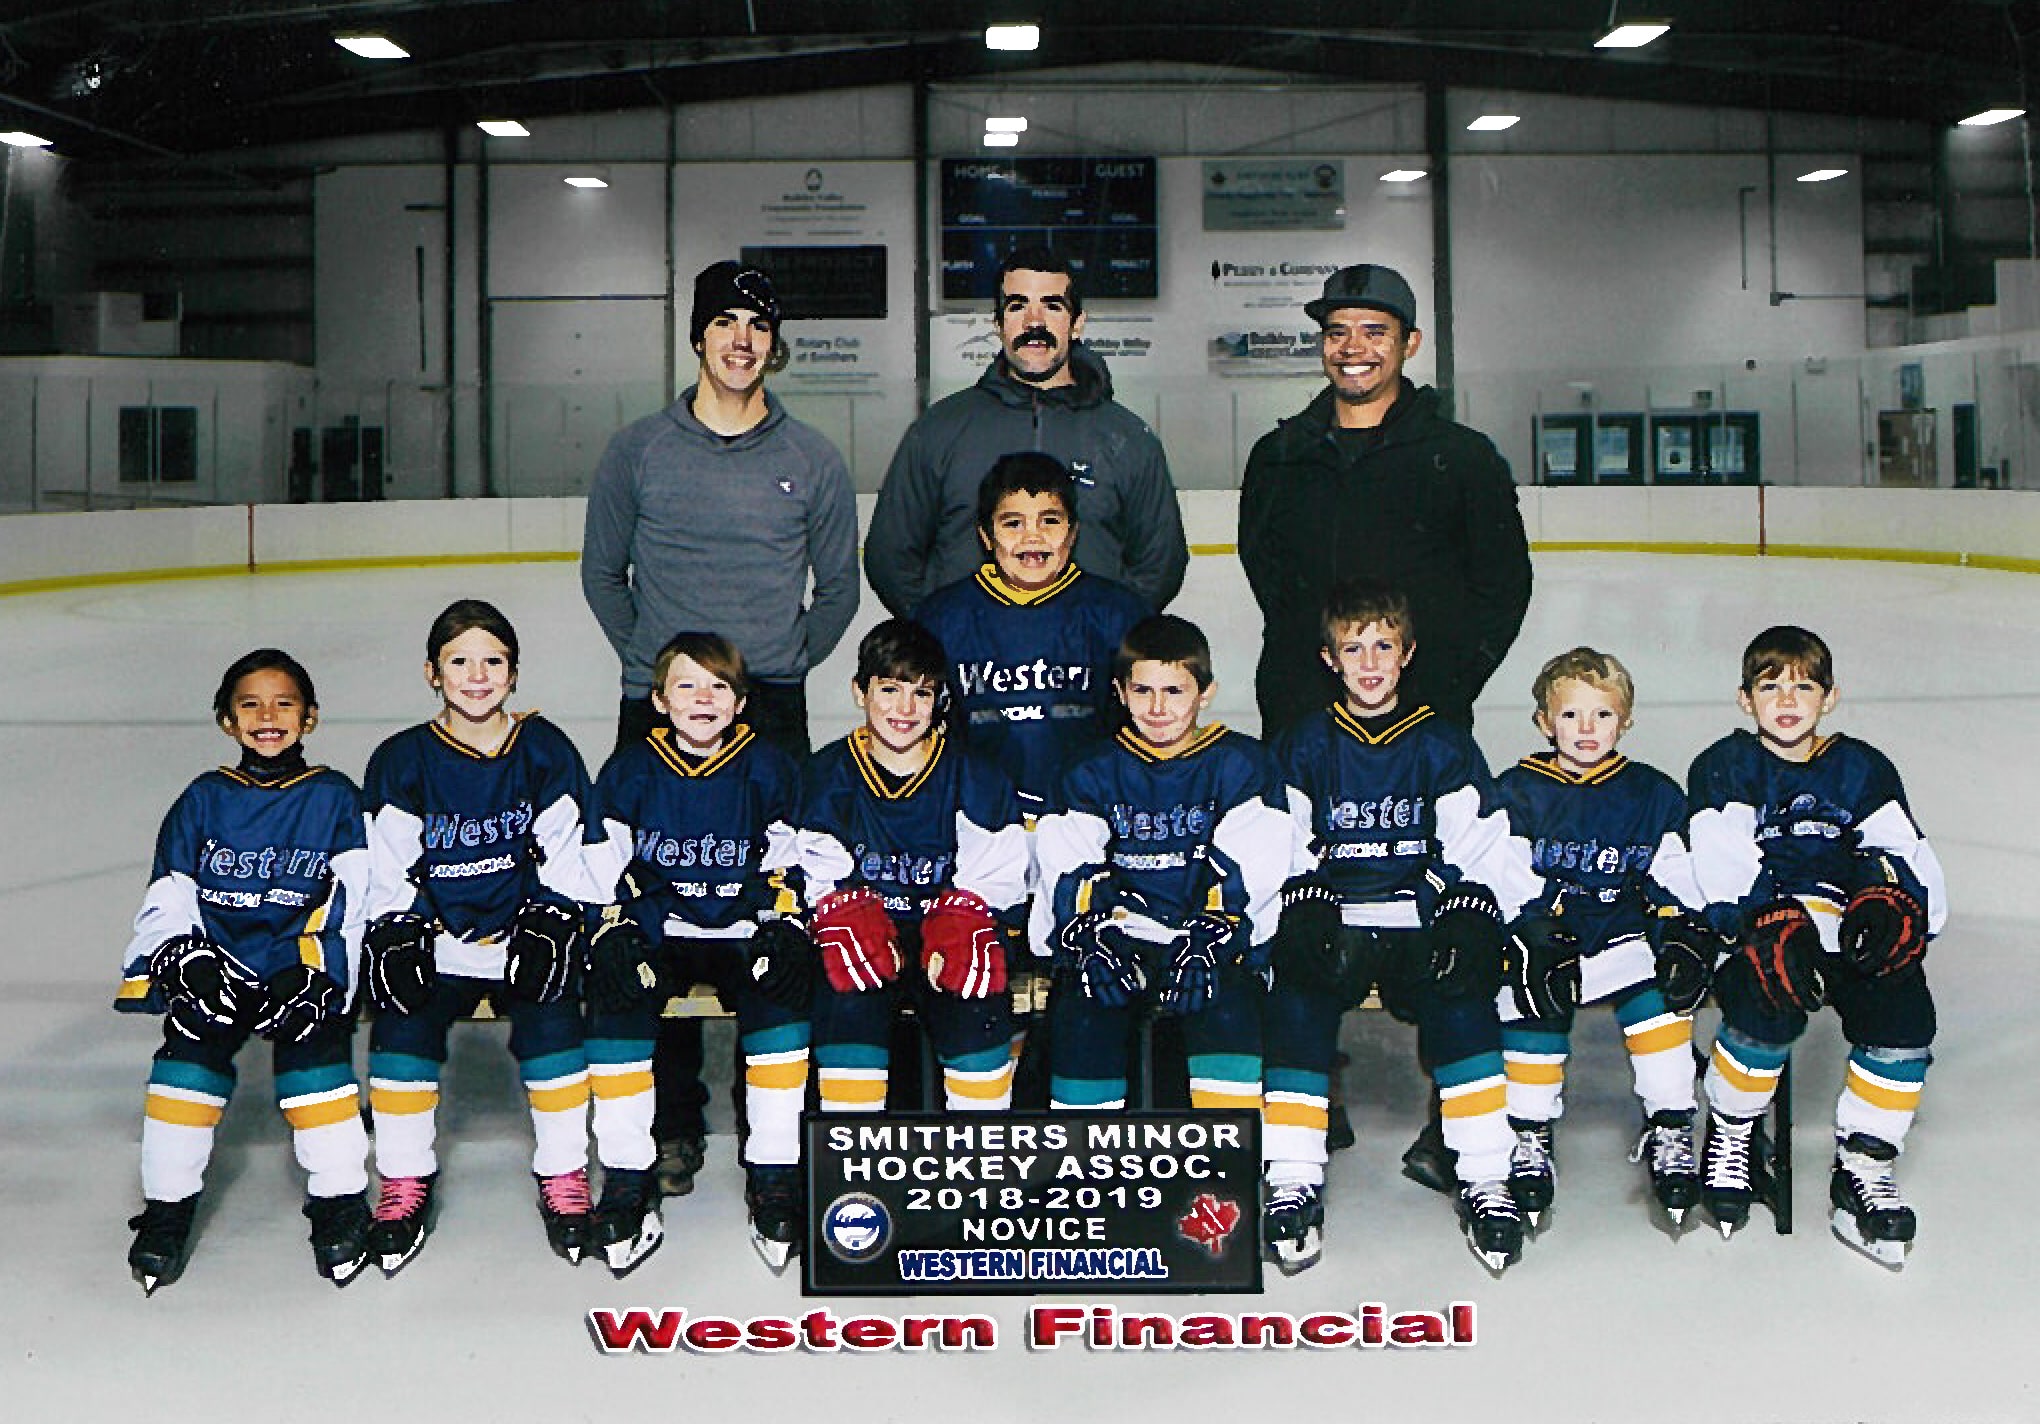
column 1366, row 285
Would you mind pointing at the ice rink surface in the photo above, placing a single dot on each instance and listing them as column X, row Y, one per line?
column 105, row 718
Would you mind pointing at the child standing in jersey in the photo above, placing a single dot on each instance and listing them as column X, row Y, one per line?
column 1416, row 873
column 699, row 818
column 915, row 861
column 1810, row 861
column 252, row 927
column 1162, row 861
column 1607, row 835
column 476, row 837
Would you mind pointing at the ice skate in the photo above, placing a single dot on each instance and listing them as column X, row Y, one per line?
column 1429, row 1162
column 1494, row 1225
column 1869, row 1212
column 340, row 1231
column 1533, row 1174
column 1732, row 1172
column 627, row 1225
column 1666, row 1149
column 777, row 1199
column 680, row 1160
column 564, row 1203
column 403, row 1219
column 162, row 1242
column 1292, row 1225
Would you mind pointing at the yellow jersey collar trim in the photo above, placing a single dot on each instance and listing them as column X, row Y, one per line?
column 666, row 746
column 1350, row 724
column 876, row 779
column 1190, row 746
column 1547, row 764
column 994, row 583
column 502, row 749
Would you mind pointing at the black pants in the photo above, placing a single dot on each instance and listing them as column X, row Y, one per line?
column 777, row 712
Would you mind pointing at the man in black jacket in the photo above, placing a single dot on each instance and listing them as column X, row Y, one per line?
column 1047, row 391
column 1374, row 479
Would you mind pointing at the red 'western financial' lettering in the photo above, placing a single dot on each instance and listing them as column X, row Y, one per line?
column 655, row 1332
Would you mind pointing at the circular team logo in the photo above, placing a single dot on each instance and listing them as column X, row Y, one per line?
column 856, row 1228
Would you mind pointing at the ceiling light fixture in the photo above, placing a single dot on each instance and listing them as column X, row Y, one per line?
column 502, row 128
column 1631, row 36
column 996, row 139
column 1012, row 125
column 1822, row 175
column 1494, row 123
column 1988, row 117
column 372, row 46
column 1402, row 175
column 19, row 139
column 586, row 180
column 1013, row 37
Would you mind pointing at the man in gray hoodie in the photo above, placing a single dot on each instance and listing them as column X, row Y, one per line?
column 1047, row 391
column 711, row 515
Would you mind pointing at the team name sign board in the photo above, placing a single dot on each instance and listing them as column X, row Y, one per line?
column 1033, row 1203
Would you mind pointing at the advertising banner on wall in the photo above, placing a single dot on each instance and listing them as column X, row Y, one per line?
column 1278, row 195
column 1258, row 323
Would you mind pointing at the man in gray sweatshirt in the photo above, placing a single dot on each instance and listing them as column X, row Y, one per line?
column 711, row 515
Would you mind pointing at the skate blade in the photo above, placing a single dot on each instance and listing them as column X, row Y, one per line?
column 774, row 1253
column 1292, row 1256
column 625, row 1256
column 1888, row 1254
column 1495, row 1261
column 345, row 1271
column 148, row 1283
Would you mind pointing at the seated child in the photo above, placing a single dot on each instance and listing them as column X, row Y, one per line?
column 1162, row 860
column 699, row 817
column 1416, row 873
column 1810, row 861
column 913, row 853
column 1605, row 832
column 252, row 927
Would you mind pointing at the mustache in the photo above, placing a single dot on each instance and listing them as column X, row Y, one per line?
column 1036, row 333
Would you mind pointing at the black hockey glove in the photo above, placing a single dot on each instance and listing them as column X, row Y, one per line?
column 1686, row 951
column 641, row 880
column 783, row 962
column 1781, row 948
column 1883, row 931
column 1209, row 945
column 1466, row 942
column 543, row 953
column 1541, row 968
column 1101, row 957
column 1307, row 937
column 302, row 1000
column 400, row 972
column 621, row 973
column 206, row 993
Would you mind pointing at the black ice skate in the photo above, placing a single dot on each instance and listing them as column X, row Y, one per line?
column 1869, row 1213
column 565, row 1204
column 1666, row 1149
column 627, row 1225
column 1429, row 1162
column 403, row 1219
column 1494, row 1226
column 1533, row 1175
column 1293, row 1225
column 162, row 1242
column 777, row 1199
column 340, row 1229
column 1733, row 1172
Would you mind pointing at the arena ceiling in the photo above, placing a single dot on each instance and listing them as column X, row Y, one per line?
column 134, row 79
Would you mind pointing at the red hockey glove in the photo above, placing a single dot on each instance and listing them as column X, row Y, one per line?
column 1782, row 949
column 859, row 944
column 961, row 947
column 1883, row 930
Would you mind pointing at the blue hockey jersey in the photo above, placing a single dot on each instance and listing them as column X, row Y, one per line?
column 1032, row 672
column 1166, row 837
column 275, row 873
column 956, row 822
column 1396, row 807
column 717, row 828
column 1609, row 843
column 1762, row 827
column 466, row 838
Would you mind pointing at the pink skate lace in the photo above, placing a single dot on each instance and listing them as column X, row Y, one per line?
column 401, row 1197
column 566, row 1194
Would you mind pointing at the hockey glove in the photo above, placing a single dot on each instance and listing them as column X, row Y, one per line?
column 1541, row 968
column 1193, row 968
column 962, row 950
column 1883, row 930
column 783, row 964
column 206, row 993
column 302, row 1000
column 1686, row 951
column 622, row 974
column 1466, row 942
column 544, row 950
column 1782, row 950
column 401, row 973
column 858, row 942
column 641, row 880
column 1101, row 957
column 1307, row 937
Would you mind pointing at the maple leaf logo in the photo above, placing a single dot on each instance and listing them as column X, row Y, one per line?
column 1209, row 1222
